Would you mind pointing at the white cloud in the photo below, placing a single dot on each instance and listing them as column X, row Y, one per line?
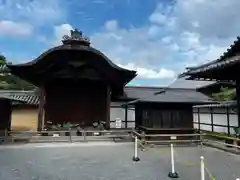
column 158, row 18
column 188, row 32
column 120, row 53
column 111, row 25
column 14, row 29
column 36, row 12
column 197, row 27
column 60, row 31
column 145, row 73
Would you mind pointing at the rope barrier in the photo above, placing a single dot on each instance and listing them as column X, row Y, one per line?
column 209, row 174
column 203, row 168
column 173, row 173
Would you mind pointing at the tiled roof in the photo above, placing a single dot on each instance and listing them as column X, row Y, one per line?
column 220, row 104
column 27, row 99
column 189, row 84
column 218, row 64
column 177, row 96
column 31, row 97
column 137, row 92
column 230, row 57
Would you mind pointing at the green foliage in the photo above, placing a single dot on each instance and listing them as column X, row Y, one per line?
column 11, row 82
column 2, row 60
column 225, row 94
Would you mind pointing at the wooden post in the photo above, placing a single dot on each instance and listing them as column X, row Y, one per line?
column 228, row 122
column 238, row 100
column 211, row 111
column 126, row 116
column 199, row 127
column 108, row 107
column 41, row 113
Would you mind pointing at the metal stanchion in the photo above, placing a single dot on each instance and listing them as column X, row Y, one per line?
column 202, row 168
column 173, row 173
column 135, row 157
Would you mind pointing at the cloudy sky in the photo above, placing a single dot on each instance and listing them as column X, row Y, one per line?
column 158, row 38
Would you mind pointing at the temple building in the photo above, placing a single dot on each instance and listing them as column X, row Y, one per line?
column 225, row 68
column 76, row 82
column 168, row 111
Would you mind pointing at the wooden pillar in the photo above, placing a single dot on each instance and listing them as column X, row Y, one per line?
column 108, row 102
column 41, row 113
column 228, row 122
column 126, row 116
column 238, row 100
column 211, row 113
column 199, row 124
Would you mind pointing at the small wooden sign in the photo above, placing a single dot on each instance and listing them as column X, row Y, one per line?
column 173, row 137
column 56, row 135
column 118, row 123
column 96, row 133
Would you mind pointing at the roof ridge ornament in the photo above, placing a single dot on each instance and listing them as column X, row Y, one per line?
column 76, row 37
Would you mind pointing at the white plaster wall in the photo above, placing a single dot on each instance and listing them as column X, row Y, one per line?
column 118, row 112
column 221, row 119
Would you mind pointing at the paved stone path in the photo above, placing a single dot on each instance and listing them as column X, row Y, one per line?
column 109, row 161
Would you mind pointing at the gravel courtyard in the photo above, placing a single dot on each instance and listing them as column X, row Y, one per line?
column 110, row 161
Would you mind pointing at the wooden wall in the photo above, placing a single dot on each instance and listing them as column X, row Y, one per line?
column 163, row 115
column 24, row 118
column 5, row 115
column 80, row 102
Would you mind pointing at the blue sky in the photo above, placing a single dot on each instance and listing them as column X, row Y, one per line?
column 158, row 38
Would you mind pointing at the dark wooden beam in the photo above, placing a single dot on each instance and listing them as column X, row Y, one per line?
column 41, row 114
column 108, row 103
column 126, row 115
column 238, row 100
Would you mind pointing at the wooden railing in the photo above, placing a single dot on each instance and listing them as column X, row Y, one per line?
column 214, row 138
column 145, row 139
column 71, row 135
column 202, row 138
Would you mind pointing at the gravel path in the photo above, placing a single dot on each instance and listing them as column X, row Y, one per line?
column 109, row 161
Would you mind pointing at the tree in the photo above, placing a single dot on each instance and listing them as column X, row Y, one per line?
column 2, row 60
column 225, row 94
column 11, row 82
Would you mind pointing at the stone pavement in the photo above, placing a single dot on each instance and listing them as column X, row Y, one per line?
column 109, row 161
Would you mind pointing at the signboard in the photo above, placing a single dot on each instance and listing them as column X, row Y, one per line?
column 118, row 123
column 56, row 135
column 173, row 137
